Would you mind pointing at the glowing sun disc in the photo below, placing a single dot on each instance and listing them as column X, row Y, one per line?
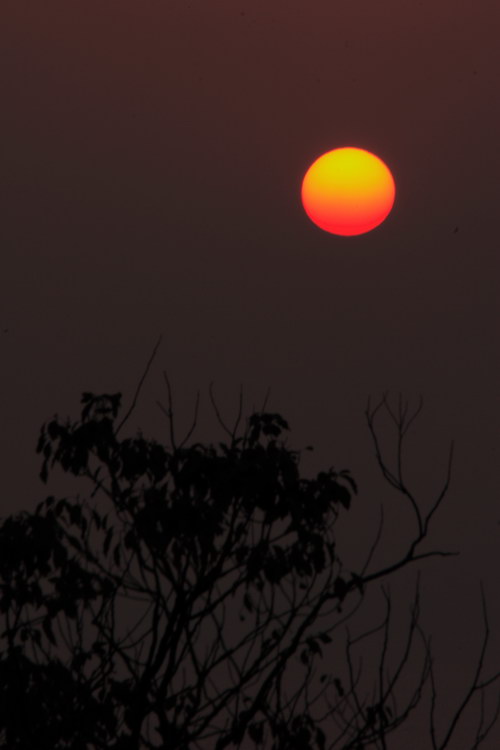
column 348, row 191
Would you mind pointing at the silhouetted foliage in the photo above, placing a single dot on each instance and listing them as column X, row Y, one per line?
column 226, row 555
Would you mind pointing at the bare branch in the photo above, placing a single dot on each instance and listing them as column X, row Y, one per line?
column 238, row 416
column 139, row 386
column 475, row 686
column 195, row 418
column 231, row 433
column 266, row 397
column 169, row 412
column 217, row 412
column 443, row 491
column 376, row 541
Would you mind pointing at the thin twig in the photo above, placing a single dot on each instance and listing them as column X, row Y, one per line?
column 266, row 399
column 375, row 541
column 217, row 412
column 169, row 412
column 139, row 386
column 191, row 429
column 475, row 685
column 238, row 417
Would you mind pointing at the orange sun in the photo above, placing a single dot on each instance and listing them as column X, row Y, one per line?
column 348, row 191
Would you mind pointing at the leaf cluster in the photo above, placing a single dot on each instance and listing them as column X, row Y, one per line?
column 186, row 515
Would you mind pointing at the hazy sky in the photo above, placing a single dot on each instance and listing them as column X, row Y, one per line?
column 151, row 161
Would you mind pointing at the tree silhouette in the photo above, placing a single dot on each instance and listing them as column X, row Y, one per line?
column 226, row 560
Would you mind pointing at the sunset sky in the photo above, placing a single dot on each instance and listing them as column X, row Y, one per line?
column 152, row 154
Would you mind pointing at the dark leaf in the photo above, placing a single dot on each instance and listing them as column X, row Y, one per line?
column 47, row 627
column 75, row 542
column 130, row 539
column 256, row 732
column 342, row 495
column 97, row 519
column 53, row 429
column 75, row 514
column 314, row 647
column 107, row 541
column 60, row 556
column 340, row 588
column 338, row 685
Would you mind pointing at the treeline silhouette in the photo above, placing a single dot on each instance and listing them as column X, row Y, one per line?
column 182, row 603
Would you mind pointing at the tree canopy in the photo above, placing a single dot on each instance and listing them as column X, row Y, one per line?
column 224, row 558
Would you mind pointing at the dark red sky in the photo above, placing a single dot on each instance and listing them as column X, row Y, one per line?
column 151, row 161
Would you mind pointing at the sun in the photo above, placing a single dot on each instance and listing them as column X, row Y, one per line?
column 348, row 191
